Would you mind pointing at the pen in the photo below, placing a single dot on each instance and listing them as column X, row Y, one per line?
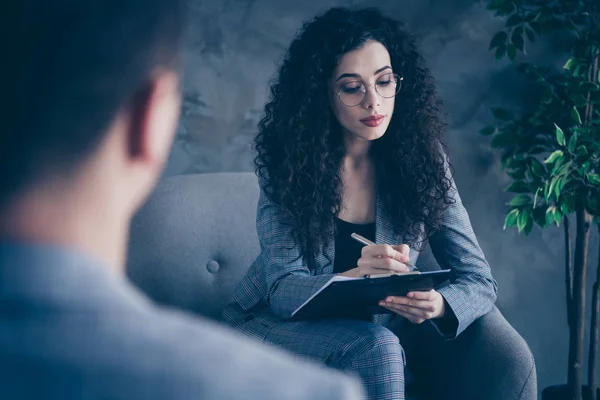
column 367, row 242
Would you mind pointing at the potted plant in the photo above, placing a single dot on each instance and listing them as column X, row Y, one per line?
column 552, row 153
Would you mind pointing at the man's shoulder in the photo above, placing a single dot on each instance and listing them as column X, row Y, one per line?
column 240, row 367
column 182, row 355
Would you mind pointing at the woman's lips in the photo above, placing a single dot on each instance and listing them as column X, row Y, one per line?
column 373, row 120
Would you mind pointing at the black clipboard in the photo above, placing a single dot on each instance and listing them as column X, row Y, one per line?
column 344, row 298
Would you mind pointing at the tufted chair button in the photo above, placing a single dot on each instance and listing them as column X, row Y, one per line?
column 249, row 317
column 213, row 267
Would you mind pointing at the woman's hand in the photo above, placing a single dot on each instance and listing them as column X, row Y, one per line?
column 381, row 259
column 417, row 306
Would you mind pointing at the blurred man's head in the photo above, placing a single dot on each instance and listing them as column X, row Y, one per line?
column 91, row 108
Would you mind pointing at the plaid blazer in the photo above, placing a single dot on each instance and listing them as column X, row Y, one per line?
column 279, row 280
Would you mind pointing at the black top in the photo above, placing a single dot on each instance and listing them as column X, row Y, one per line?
column 348, row 250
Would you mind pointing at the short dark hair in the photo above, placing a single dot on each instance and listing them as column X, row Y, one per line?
column 69, row 66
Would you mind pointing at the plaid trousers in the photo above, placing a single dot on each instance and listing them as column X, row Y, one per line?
column 362, row 348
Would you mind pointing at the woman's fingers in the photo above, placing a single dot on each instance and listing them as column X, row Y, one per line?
column 402, row 248
column 385, row 251
column 409, row 313
column 384, row 258
column 381, row 265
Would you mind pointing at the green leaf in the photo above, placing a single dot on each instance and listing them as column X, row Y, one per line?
column 508, row 7
column 572, row 142
column 530, row 35
column 513, row 20
column 488, row 130
column 550, row 215
column 522, row 219
column 581, row 151
column 537, row 168
column 511, row 219
column 580, row 100
column 557, row 216
column 501, row 113
column 535, row 197
column 564, row 169
column 537, row 150
column 594, row 178
column 536, row 26
column 553, row 214
column 554, row 156
column 528, row 225
column 518, row 187
column 511, row 52
column 558, row 188
column 569, row 64
column 531, row 17
column 568, row 205
column 588, row 86
column 520, row 200
column 560, row 135
column 509, row 161
column 539, row 216
column 552, row 24
column 575, row 115
column 495, row 4
column 557, row 165
column 500, row 52
column 552, row 184
column 499, row 39
column 518, row 173
column 592, row 204
column 547, row 95
column 517, row 39
column 503, row 139
column 547, row 191
column 584, row 168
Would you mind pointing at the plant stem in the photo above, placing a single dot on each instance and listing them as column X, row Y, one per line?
column 568, row 270
column 576, row 339
column 595, row 322
column 594, row 334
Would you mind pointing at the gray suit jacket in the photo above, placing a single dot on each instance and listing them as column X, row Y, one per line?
column 71, row 329
column 279, row 281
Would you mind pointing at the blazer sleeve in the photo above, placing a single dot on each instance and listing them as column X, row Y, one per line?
column 288, row 280
column 472, row 290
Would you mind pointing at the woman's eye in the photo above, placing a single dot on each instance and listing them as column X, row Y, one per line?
column 384, row 83
column 351, row 89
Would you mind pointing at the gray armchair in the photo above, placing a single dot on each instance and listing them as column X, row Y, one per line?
column 194, row 239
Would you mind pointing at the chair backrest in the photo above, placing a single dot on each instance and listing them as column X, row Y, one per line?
column 194, row 239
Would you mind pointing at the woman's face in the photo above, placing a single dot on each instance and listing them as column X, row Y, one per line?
column 364, row 115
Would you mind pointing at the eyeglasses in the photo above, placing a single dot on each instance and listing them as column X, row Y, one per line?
column 353, row 93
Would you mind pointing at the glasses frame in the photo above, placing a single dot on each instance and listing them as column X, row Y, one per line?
column 363, row 89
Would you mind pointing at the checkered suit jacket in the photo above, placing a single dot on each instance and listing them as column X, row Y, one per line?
column 279, row 280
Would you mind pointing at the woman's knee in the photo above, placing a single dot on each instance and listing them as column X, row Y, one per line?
column 376, row 343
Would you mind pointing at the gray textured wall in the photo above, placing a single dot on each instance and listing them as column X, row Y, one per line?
column 234, row 50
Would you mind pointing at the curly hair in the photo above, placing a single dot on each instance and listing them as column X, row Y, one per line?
column 300, row 142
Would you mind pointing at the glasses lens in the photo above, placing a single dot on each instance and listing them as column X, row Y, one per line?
column 352, row 93
column 388, row 85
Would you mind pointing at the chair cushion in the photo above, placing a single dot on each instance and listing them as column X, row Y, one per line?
column 194, row 240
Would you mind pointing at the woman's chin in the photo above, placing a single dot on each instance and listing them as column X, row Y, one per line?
column 372, row 133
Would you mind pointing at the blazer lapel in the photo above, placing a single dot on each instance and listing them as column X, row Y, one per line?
column 326, row 257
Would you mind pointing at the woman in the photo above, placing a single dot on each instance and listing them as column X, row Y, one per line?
column 350, row 142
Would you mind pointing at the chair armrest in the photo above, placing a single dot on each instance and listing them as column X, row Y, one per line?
column 489, row 360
